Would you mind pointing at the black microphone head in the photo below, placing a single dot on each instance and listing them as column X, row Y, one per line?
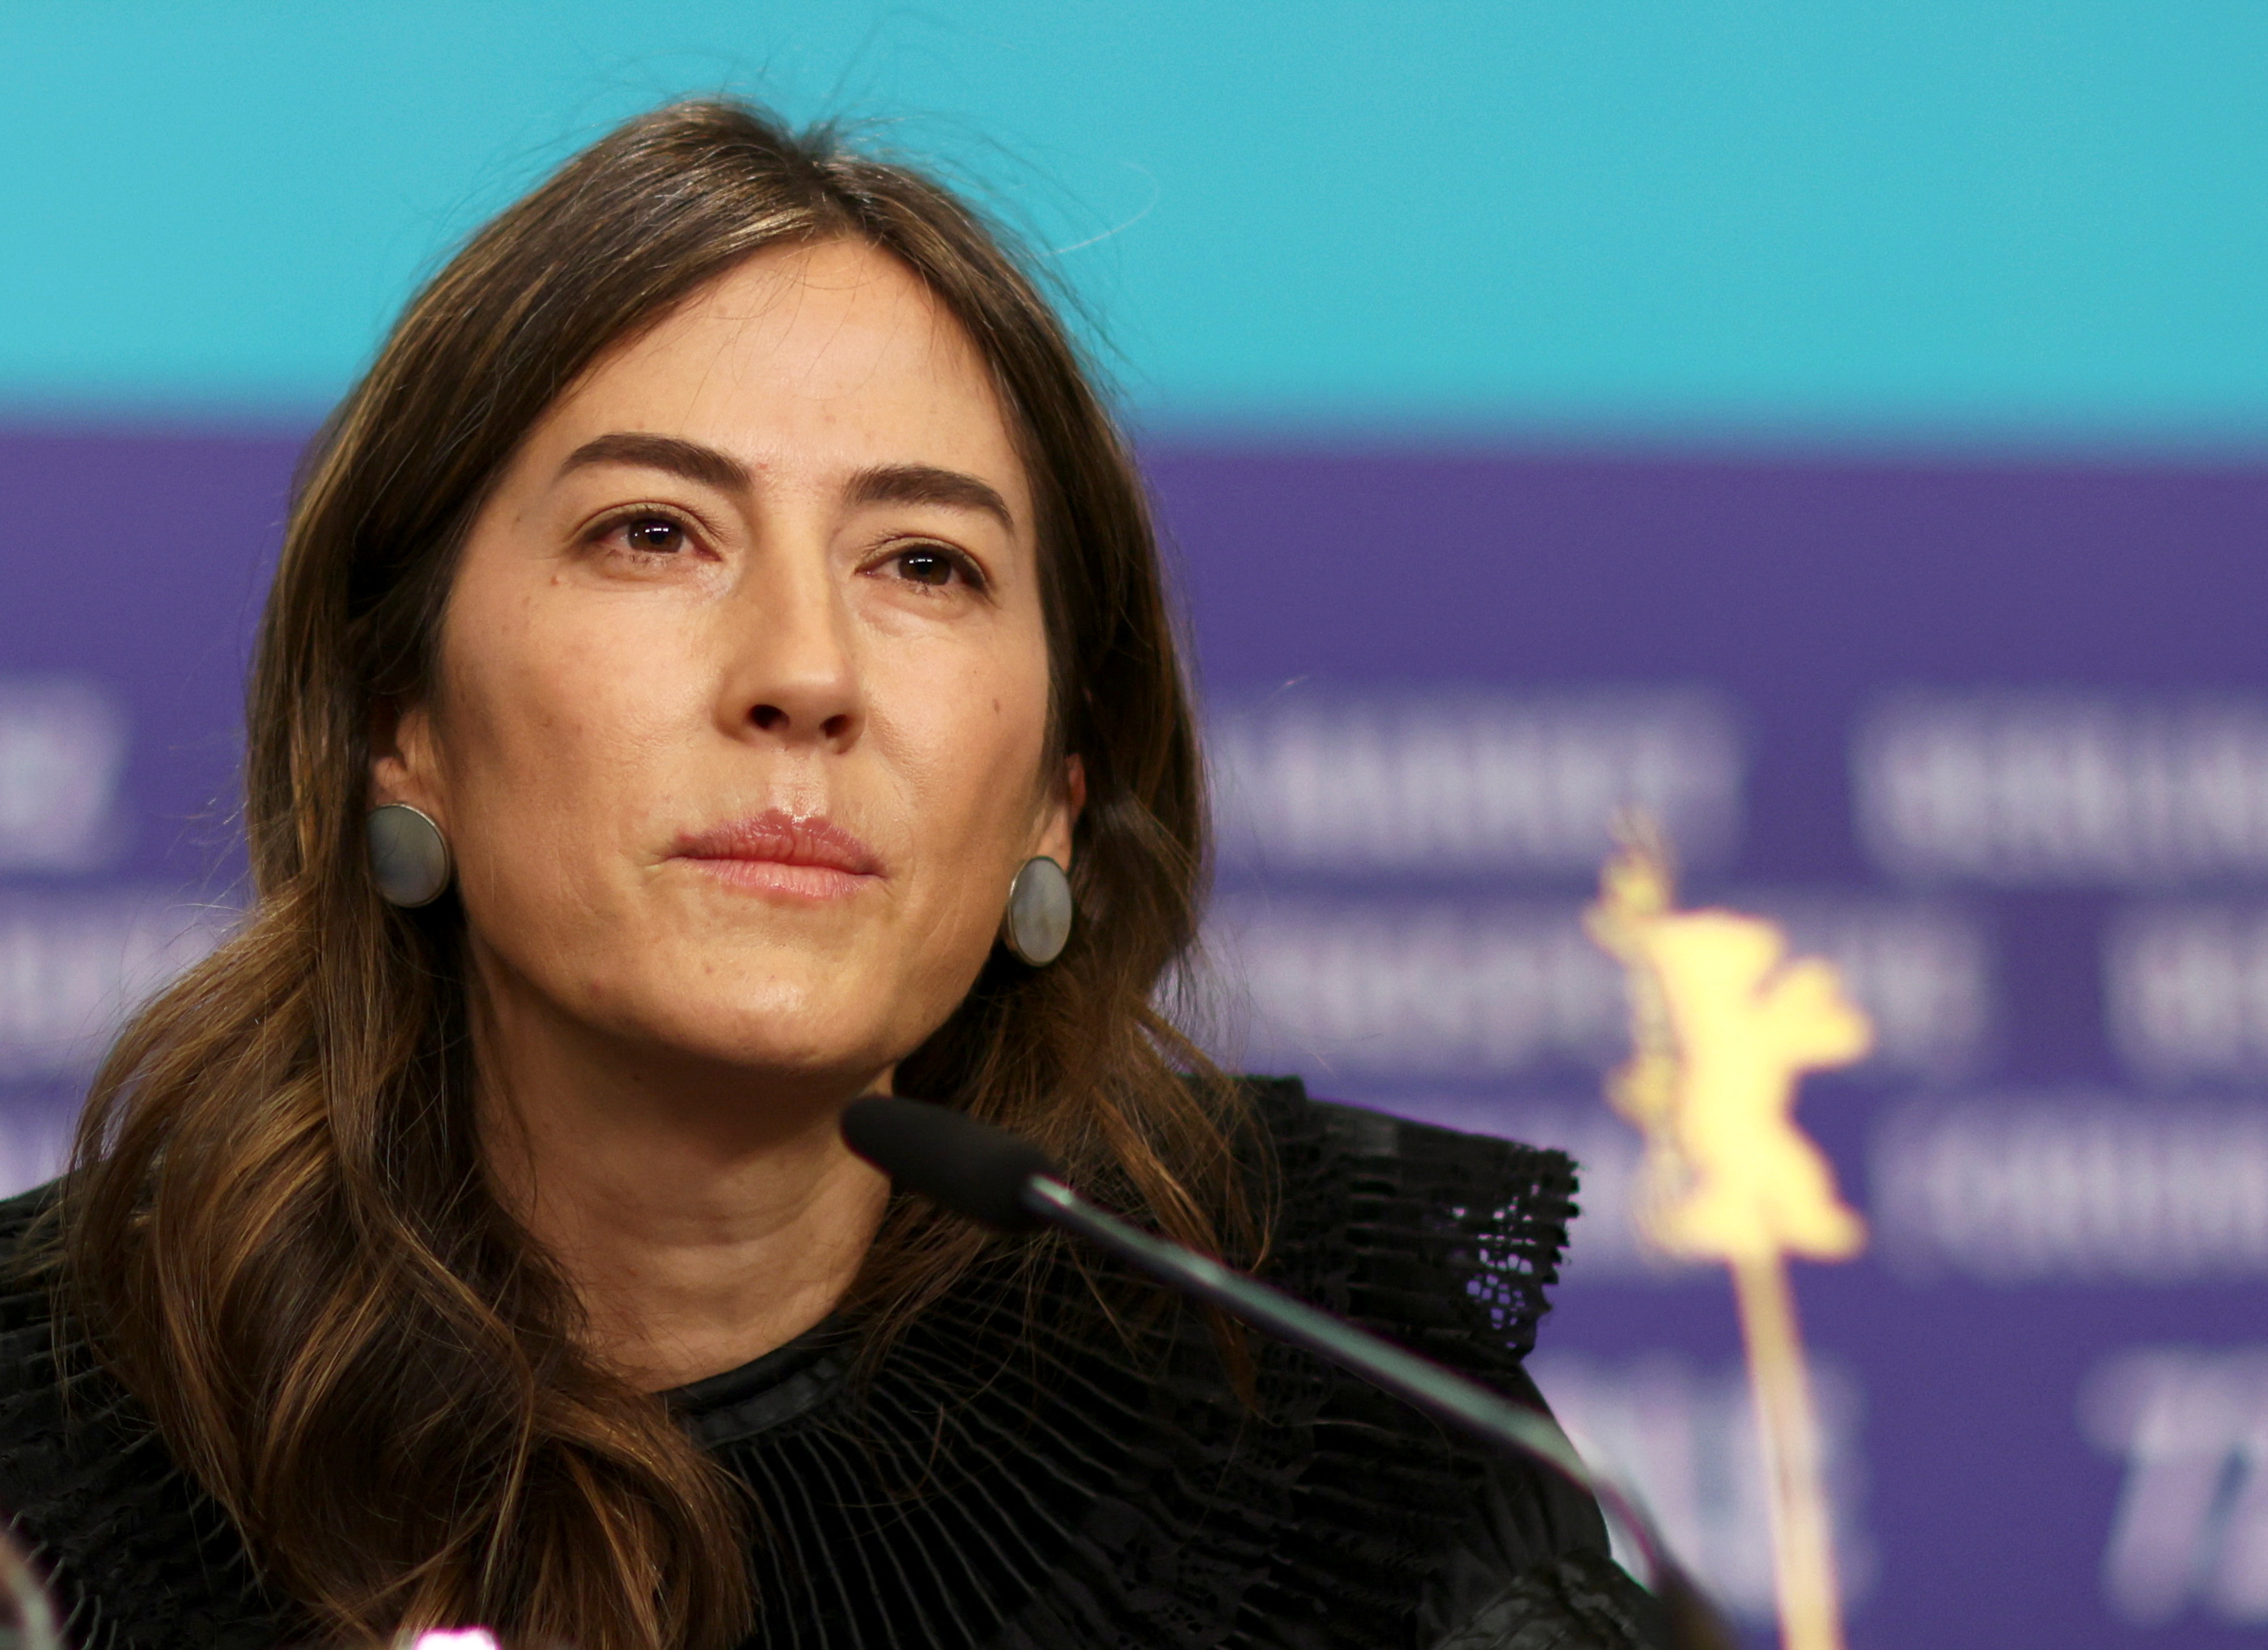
column 1693, row 1621
column 973, row 1168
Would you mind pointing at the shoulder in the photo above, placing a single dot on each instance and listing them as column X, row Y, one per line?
column 1443, row 1240
column 134, row 1552
column 26, row 1292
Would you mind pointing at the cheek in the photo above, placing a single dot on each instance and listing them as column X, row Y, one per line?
column 970, row 743
column 551, row 725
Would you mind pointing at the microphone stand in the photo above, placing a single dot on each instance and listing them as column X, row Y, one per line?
column 1426, row 1386
column 988, row 1174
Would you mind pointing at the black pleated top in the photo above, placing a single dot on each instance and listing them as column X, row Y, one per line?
column 1016, row 1472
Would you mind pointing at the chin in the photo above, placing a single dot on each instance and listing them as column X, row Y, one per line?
column 785, row 1032
column 789, row 1004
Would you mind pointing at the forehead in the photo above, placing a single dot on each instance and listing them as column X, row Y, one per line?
column 801, row 359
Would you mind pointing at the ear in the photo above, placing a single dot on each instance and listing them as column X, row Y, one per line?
column 1059, row 818
column 402, row 765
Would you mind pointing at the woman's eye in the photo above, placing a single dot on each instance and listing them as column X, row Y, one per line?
column 652, row 535
column 926, row 565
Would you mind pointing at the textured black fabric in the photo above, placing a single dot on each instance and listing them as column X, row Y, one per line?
column 1019, row 1473
column 135, row 1551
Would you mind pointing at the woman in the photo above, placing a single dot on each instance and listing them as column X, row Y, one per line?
column 723, row 590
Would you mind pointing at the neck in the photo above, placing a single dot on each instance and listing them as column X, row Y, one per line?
column 704, row 1216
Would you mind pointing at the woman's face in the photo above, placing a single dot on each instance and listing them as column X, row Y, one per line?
column 741, row 723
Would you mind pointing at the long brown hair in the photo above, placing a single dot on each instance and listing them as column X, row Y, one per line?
column 278, row 1233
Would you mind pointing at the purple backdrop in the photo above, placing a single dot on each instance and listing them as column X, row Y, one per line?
column 1996, row 738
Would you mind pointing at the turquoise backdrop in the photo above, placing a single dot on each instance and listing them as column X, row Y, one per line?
column 1912, row 220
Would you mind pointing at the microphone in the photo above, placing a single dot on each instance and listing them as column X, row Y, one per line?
column 1003, row 1180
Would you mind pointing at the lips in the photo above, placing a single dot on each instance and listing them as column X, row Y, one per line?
column 778, row 852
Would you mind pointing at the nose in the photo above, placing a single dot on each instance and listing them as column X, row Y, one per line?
column 794, row 676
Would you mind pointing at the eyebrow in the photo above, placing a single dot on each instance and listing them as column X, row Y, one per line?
column 882, row 484
column 687, row 459
column 927, row 484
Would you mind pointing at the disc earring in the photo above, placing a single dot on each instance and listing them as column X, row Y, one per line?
column 409, row 856
column 1038, row 922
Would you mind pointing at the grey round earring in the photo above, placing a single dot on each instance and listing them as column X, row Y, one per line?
column 409, row 856
column 1038, row 922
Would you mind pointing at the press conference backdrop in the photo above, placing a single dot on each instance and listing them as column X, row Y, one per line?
column 1994, row 739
